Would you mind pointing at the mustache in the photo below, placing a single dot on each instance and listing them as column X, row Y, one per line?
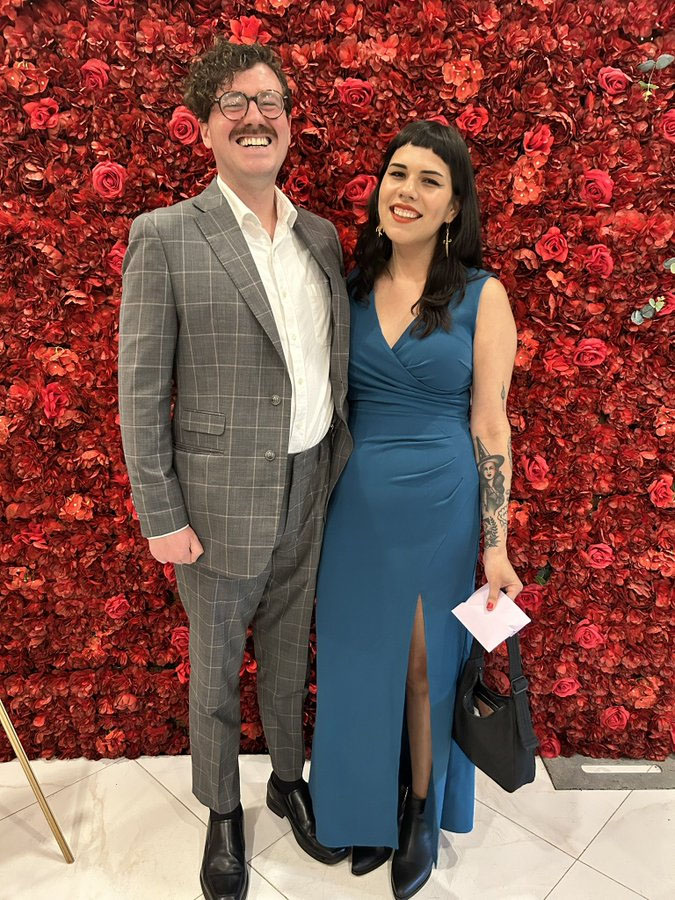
column 259, row 132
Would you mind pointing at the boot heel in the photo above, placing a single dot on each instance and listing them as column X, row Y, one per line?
column 276, row 808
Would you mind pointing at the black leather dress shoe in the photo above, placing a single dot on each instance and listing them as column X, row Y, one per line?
column 366, row 859
column 224, row 874
column 414, row 859
column 297, row 808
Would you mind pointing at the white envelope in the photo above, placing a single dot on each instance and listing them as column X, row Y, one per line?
column 490, row 628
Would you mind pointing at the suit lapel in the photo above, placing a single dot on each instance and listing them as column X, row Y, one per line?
column 219, row 226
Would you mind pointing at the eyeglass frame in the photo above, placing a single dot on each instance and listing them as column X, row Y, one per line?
column 254, row 97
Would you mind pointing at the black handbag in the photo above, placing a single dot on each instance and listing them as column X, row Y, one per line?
column 501, row 743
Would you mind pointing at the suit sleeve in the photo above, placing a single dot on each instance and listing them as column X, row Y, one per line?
column 339, row 251
column 147, row 343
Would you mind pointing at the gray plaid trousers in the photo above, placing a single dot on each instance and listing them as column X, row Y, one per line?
column 278, row 603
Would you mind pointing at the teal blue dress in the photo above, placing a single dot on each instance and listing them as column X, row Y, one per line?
column 403, row 521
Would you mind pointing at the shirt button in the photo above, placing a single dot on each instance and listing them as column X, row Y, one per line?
column 270, row 455
column 276, row 400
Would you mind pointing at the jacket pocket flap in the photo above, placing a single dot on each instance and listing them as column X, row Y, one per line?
column 202, row 421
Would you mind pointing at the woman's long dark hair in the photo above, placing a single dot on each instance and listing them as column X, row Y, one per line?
column 446, row 276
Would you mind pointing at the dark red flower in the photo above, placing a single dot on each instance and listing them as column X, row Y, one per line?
column 588, row 635
column 598, row 260
column 472, row 120
column 95, row 72
column 535, row 470
column 597, row 187
column 549, row 747
column 109, row 179
column 667, row 125
column 539, row 140
column 117, row 607
column 599, row 556
column 44, row 113
column 184, row 126
column 355, row 93
column 247, row 30
column 615, row 717
column 180, row 639
column 552, row 245
column 565, row 687
column 590, row 352
column 661, row 492
column 613, row 81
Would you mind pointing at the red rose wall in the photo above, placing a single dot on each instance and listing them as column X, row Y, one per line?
column 571, row 143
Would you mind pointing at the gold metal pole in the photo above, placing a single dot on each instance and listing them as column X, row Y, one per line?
column 32, row 780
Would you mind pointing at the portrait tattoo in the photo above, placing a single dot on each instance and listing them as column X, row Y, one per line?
column 491, row 479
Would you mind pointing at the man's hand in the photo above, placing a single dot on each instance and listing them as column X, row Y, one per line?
column 184, row 547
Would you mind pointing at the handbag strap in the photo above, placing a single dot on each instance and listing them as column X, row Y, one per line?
column 519, row 685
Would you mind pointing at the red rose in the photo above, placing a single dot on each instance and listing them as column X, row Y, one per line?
column 549, row 747
column 472, row 120
column 359, row 189
column 117, row 607
column 613, row 81
column 661, row 492
column 95, row 73
column 180, row 639
column 590, row 352
column 552, row 245
column 115, row 257
column 599, row 556
column 299, row 184
column 355, row 94
column 667, row 125
column 55, row 399
column 598, row 260
column 183, row 671
column 440, row 119
column 588, row 635
column 184, row 126
column 108, row 179
column 597, row 187
column 565, row 687
column 539, row 140
column 536, row 471
column 615, row 717
column 43, row 113
column 531, row 598
column 247, row 31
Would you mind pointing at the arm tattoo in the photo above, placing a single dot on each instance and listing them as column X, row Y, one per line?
column 494, row 493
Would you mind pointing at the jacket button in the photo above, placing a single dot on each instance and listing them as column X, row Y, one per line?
column 276, row 400
column 270, row 454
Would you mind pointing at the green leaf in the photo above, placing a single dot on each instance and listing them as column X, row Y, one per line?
column 647, row 312
column 664, row 60
column 669, row 263
column 646, row 66
column 652, row 301
column 658, row 306
column 636, row 317
column 544, row 574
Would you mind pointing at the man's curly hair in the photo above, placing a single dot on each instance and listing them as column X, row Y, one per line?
column 218, row 66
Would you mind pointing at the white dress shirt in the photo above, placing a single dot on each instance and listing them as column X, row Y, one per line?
column 299, row 294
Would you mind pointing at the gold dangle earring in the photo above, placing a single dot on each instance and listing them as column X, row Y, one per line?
column 379, row 231
column 447, row 240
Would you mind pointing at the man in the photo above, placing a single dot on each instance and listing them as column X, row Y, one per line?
column 238, row 298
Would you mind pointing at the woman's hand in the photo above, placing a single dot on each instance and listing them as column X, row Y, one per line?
column 500, row 576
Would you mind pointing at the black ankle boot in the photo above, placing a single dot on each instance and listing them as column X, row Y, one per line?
column 366, row 859
column 414, row 859
column 224, row 873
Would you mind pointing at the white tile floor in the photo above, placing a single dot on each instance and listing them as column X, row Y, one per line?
column 137, row 833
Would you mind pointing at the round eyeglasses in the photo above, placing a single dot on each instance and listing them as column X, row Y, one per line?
column 234, row 104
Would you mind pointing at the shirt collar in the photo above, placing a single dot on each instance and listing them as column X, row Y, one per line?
column 286, row 212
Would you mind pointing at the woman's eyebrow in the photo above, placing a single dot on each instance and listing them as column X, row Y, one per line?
column 423, row 172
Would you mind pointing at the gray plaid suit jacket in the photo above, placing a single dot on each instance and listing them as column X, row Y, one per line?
column 195, row 317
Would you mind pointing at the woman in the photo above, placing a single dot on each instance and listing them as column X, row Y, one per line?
column 432, row 350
